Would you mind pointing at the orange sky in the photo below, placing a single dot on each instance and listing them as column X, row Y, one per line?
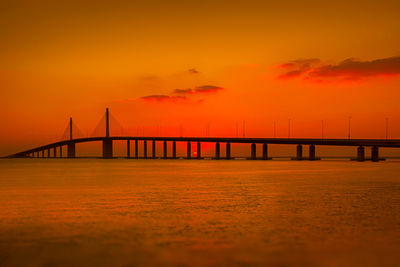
column 259, row 61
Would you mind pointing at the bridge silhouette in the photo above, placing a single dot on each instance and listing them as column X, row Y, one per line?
column 107, row 142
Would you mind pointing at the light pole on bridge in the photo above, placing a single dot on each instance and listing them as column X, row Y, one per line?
column 349, row 135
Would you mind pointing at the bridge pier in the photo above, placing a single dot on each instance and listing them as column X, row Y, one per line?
column 174, row 149
column 299, row 152
column 48, row 152
column 128, row 148
column 188, row 150
column 165, row 150
column 265, row 151
column 107, row 148
column 311, row 152
column 153, row 148
column 55, row 152
column 228, row 150
column 198, row 150
column 217, row 150
column 60, row 151
column 360, row 153
column 253, row 151
column 145, row 149
column 136, row 148
column 71, row 150
column 375, row 154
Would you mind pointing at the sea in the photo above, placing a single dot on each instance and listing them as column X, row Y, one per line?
column 130, row 212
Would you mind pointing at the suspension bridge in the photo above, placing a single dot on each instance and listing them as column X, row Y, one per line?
column 55, row 150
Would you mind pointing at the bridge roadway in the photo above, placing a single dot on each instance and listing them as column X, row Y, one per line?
column 312, row 142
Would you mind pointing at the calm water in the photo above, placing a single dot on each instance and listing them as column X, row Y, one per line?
column 91, row 212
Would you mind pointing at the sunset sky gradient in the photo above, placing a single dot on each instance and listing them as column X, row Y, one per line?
column 162, row 64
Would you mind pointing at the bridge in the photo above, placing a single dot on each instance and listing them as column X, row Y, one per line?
column 50, row 150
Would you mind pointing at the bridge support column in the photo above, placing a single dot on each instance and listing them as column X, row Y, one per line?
column 228, row 150
column 42, row 153
column 174, row 149
column 299, row 154
column 136, row 148
column 217, row 150
column 188, row 148
column 311, row 152
column 265, row 151
column 198, row 150
column 165, row 150
column 253, row 151
column 107, row 148
column 60, row 151
column 55, row 152
column 48, row 153
column 37, row 154
column 375, row 153
column 144, row 149
column 360, row 153
column 153, row 147
column 71, row 150
column 128, row 148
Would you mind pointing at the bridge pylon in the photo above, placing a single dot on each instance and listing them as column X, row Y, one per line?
column 70, row 128
column 71, row 144
column 107, row 142
column 107, row 123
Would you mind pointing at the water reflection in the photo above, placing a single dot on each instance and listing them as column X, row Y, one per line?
column 133, row 212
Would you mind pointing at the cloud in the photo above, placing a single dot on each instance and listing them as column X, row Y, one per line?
column 187, row 91
column 163, row 98
column 182, row 95
column 193, row 71
column 296, row 68
column 349, row 69
column 203, row 89
column 207, row 89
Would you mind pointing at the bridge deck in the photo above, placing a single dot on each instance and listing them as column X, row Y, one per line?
column 243, row 140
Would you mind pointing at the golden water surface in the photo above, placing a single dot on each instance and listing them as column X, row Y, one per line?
column 94, row 212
